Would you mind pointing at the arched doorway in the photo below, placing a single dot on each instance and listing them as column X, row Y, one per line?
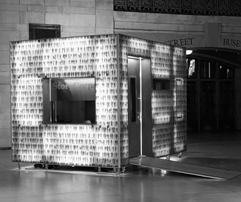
column 211, row 90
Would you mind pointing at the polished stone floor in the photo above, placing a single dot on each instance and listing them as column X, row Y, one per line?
column 136, row 185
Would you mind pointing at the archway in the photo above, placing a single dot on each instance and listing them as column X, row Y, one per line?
column 212, row 100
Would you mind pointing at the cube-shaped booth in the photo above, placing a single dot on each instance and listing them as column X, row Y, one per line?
column 96, row 100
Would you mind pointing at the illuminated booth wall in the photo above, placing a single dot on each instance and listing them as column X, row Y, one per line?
column 48, row 76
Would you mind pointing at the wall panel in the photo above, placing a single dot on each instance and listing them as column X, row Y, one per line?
column 84, row 145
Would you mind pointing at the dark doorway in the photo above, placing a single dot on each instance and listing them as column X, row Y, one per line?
column 140, row 121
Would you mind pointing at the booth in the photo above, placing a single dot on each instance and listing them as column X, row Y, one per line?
column 96, row 101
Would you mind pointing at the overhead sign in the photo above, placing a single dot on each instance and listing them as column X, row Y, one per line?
column 181, row 42
column 229, row 42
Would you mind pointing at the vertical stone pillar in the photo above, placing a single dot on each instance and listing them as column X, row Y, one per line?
column 212, row 34
column 104, row 17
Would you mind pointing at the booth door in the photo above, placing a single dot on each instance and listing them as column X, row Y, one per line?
column 139, row 104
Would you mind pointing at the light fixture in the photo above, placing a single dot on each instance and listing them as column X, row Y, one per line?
column 188, row 52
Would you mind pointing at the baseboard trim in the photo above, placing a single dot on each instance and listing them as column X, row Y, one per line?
column 5, row 148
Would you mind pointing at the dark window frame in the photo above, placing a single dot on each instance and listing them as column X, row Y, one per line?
column 161, row 84
column 34, row 28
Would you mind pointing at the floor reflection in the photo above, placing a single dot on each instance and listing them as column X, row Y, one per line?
column 135, row 185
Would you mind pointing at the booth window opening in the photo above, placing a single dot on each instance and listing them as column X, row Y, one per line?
column 69, row 100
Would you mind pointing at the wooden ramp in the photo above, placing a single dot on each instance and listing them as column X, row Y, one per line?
column 180, row 167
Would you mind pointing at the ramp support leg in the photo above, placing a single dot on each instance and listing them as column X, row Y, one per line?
column 99, row 169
